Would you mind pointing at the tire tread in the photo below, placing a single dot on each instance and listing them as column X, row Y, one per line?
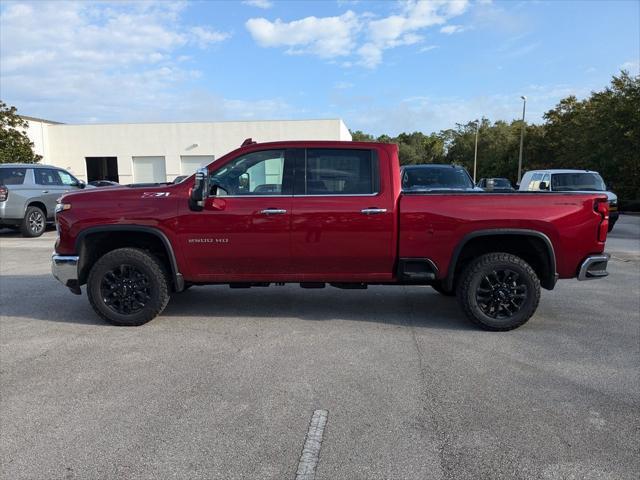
column 480, row 263
column 157, row 270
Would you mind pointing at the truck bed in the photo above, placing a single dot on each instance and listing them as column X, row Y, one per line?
column 433, row 225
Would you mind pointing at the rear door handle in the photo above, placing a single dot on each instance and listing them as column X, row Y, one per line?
column 45, row 191
column 273, row 211
column 373, row 211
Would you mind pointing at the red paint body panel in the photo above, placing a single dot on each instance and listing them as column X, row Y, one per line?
column 245, row 243
column 328, row 238
column 433, row 225
column 332, row 240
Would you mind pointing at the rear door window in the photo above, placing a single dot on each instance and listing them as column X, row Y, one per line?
column 47, row 176
column 340, row 172
column 12, row 176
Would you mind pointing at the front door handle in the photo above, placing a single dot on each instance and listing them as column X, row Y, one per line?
column 373, row 211
column 273, row 211
column 45, row 191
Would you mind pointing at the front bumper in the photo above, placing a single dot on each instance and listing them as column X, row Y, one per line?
column 65, row 269
column 593, row 267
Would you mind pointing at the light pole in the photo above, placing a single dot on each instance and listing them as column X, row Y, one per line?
column 475, row 153
column 524, row 106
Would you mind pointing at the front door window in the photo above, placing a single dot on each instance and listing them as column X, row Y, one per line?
column 257, row 173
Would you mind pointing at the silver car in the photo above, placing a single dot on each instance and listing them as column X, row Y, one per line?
column 28, row 195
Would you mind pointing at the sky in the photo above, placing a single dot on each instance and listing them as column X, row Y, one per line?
column 381, row 66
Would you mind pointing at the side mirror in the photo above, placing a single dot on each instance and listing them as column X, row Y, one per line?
column 544, row 186
column 80, row 184
column 200, row 190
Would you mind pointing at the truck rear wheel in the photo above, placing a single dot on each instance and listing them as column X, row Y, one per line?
column 499, row 291
column 128, row 287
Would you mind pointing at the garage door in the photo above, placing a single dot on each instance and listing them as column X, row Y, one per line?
column 149, row 170
column 190, row 163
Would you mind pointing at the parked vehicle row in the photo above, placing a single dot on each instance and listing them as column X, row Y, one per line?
column 318, row 213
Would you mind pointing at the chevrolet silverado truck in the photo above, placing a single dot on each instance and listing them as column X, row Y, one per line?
column 318, row 213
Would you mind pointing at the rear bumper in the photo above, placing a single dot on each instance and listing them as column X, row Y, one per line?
column 593, row 267
column 65, row 269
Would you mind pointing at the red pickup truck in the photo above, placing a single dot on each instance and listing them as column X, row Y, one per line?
column 318, row 213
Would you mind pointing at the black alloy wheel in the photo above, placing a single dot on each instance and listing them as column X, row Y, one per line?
column 498, row 291
column 128, row 286
column 125, row 289
column 501, row 293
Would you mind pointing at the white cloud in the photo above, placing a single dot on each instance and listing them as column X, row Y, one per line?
column 326, row 37
column 264, row 4
column 400, row 29
column 361, row 35
column 205, row 37
column 451, row 29
column 62, row 58
column 632, row 66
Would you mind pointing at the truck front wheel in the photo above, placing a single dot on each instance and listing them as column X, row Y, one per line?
column 128, row 287
column 499, row 291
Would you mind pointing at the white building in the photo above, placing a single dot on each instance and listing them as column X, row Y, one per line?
column 158, row 152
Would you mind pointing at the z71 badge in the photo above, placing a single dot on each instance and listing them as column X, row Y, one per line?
column 155, row 194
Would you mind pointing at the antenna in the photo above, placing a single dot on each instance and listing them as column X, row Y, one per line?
column 248, row 141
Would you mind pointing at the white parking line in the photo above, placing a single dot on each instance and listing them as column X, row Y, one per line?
column 311, row 450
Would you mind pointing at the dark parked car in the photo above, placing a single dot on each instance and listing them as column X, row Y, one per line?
column 103, row 183
column 496, row 185
column 435, row 177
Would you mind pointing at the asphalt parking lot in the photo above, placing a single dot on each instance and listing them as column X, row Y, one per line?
column 224, row 383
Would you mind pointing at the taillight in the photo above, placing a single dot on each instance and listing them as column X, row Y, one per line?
column 4, row 193
column 602, row 207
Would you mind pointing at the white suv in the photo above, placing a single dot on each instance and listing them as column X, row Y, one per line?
column 586, row 181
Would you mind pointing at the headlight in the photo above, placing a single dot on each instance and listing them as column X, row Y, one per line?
column 61, row 207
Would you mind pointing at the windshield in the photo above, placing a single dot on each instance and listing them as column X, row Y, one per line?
column 589, row 181
column 501, row 183
column 436, row 178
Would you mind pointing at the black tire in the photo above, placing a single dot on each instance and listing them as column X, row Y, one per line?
column 438, row 287
column 34, row 222
column 509, row 286
column 128, row 287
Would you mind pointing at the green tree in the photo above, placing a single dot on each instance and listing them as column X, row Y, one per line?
column 15, row 146
column 360, row 136
column 600, row 133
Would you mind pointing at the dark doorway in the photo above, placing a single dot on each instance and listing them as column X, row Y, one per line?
column 102, row 168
